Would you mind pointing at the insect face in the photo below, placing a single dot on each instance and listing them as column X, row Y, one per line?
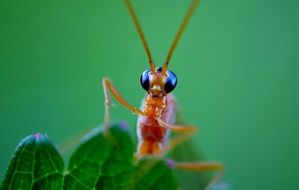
column 158, row 83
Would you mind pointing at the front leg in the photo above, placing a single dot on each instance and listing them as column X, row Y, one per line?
column 108, row 87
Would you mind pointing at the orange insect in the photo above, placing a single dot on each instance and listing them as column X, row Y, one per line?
column 156, row 119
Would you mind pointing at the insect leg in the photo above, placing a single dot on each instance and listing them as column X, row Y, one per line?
column 200, row 167
column 174, row 141
column 71, row 142
column 108, row 87
column 187, row 129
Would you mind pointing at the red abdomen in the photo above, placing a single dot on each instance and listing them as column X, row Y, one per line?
column 150, row 129
column 152, row 138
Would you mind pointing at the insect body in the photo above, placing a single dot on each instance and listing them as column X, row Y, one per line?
column 157, row 116
column 159, row 106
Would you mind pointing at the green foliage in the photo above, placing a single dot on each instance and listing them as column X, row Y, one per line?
column 36, row 164
column 97, row 163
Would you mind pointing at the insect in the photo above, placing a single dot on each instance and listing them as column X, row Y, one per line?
column 156, row 118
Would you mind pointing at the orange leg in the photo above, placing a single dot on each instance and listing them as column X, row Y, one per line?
column 174, row 141
column 200, row 167
column 107, row 86
column 192, row 166
column 187, row 129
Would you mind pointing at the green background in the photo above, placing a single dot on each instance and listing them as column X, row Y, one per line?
column 237, row 68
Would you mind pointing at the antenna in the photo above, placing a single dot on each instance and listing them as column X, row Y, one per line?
column 141, row 35
column 181, row 30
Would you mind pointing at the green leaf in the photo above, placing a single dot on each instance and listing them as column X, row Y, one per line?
column 153, row 173
column 36, row 164
column 101, row 162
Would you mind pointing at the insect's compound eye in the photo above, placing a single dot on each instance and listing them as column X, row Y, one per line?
column 171, row 82
column 144, row 80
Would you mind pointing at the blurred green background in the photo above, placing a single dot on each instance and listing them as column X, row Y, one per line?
column 237, row 68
